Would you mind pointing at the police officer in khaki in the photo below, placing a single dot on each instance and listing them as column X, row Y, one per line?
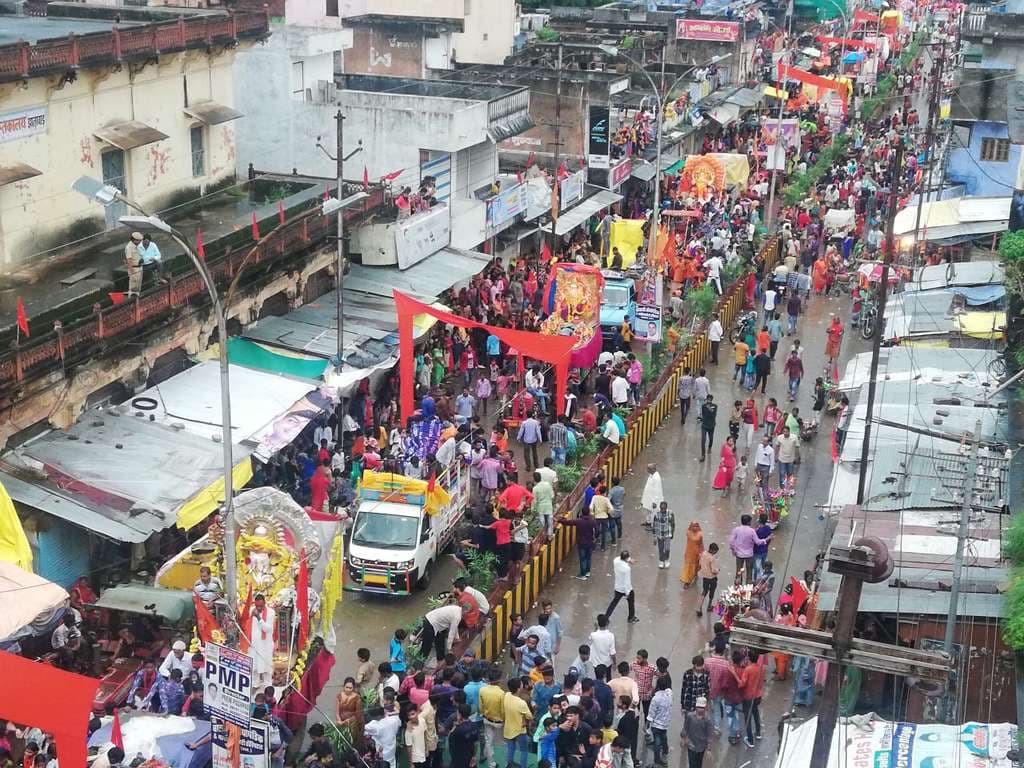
column 133, row 263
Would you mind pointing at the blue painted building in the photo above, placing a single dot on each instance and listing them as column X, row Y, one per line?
column 981, row 157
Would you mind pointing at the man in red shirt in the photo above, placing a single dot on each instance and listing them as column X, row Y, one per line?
column 717, row 668
column 751, row 689
column 470, row 607
column 318, row 485
column 515, row 498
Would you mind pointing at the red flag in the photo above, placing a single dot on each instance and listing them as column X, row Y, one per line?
column 302, row 600
column 393, row 175
column 255, row 227
column 206, row 624
column 563, row 170
column 200, row 248
column 244, row 623
column 327, row 195
column 519, row 178
column 531, row 159
column 432, row 482
column 366, row 177
column 115, row 731
column 22, row 318
column 545, row 253
column 280, row 211
column 116, row 298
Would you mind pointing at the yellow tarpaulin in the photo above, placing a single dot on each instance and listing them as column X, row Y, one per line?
column 627, row 235
column 386, row 482
column 981, row 325
column 196, row 509
column 14, row 546
column 775, row 93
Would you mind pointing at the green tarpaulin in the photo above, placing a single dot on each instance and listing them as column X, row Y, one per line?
column 252, row 355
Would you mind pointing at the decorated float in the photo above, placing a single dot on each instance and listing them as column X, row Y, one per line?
column 573, row 304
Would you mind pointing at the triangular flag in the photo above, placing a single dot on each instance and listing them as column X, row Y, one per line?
column 394, row 175
column 432, row 482
column 327, row 195
column 116, row 298
column 531, row 159
column 255, row 227
column 280, row 211
column 244, row 623
column 22, row 318
column 115, row 731
column 302, row 600
column 366, row 177
column 545, row 253
column 200, row 249
column 206, row 624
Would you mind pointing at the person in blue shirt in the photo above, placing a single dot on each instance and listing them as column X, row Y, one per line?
column 396, row 650
column 472, row 691
column 494, row 349
column 545, row 691
column 547, row 748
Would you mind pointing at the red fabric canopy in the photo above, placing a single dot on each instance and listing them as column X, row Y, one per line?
column 849, row 42
column 49, row 698
column 551, row 349
column 792, row 73
column 865, row 17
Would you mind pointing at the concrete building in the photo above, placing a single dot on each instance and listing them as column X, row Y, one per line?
column 477, row 31
column 145, row 105
column 981, row 156
column 412, row 129
column 286, row 89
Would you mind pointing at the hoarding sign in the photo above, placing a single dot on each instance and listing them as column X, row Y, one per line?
column 619, row 173
column 714, row 31
column 254, row 746
column 422, row 235
column 22, row 123
column 504, row 207
column 228, row 693
column 599, row 136
column 571, row 190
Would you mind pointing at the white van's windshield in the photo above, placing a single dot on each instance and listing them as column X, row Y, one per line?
column 616, row 295
column 373, row 529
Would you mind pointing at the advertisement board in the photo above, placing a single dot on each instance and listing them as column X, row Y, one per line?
column 422, row 235
column 647, row 326
column 570, row 190
column 254, row 746
column 714, row 31
column 504, row 207
column 599, row 136
column 228, row 693
column 619, row 173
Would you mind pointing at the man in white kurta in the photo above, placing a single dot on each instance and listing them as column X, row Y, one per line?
column 653, row 494
column 261, row 642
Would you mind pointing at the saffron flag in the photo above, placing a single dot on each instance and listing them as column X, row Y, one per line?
column 243, row 622
column 22, row 318
column 206, row 624
column 200, row 248
column 255, row 227
column 280, row 211
column 545, row 253
column 366, row 177
column 302, row 600
column 554, row 204
column 115, row 731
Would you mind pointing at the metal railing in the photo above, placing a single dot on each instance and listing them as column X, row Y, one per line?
column 22, row 59
column 76, row 341
column 504, row 106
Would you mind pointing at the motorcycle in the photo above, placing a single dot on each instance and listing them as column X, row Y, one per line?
column 746, row 324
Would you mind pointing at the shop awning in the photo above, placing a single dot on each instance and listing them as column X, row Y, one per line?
column 170, row 604
column 212, row 113
column 37, row 606
column 644, row 172
column 129, row 134
column 17, row 172
column 725, row 114
column 508, row 127
column 746, row 98
column 575, row 216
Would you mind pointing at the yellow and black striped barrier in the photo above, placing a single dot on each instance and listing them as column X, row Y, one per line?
column 643, row 421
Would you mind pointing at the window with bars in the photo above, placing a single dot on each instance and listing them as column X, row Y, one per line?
column 197, row 137
column 995, row 150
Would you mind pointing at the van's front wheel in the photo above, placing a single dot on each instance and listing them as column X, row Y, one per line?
column 424, row 580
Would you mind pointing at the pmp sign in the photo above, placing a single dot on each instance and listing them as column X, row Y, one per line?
column 228, row 693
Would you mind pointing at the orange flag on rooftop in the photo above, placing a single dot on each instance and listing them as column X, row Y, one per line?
column 206, row 624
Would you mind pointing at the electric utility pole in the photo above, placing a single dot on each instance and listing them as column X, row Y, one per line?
column 558, row 154
column 929, row 140
column 883, row 294
column 340, row 265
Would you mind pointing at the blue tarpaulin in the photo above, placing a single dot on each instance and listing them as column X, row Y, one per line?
column 979, row 295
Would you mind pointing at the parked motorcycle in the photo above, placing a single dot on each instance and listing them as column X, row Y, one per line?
column 746, row 324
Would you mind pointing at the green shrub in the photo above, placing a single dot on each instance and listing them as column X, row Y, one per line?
column 547, row 35
column 1013, row 612
column 481, row 570
column 568, row 476
column 701, row 302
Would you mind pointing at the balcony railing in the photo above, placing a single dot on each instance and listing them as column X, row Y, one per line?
column 21, row 60
column 77, row 341
column 504, row 106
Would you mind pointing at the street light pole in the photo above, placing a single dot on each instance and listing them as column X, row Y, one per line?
column 769, row 216
column 340, row 266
